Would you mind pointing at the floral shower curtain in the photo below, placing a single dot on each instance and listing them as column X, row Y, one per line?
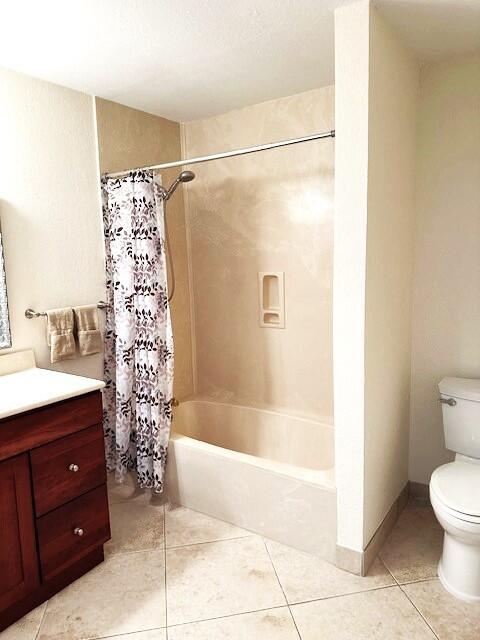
column 139, row 343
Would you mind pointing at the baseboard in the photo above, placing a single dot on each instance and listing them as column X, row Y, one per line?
column 359, row 562
column 419, row 492
column 349, row 560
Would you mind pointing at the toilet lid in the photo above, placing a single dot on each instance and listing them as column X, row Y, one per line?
column 457, row 485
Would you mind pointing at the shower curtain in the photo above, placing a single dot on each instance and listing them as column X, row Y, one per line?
column 138, row 364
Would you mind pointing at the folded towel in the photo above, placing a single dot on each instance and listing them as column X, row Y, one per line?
column 88, row 334
column 60, row 334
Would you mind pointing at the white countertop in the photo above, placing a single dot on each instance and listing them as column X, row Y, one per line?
column 24, row 387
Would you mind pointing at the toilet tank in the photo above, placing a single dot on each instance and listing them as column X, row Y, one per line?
column 460, row 399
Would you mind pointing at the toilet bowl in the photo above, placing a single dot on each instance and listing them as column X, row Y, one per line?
column 455, row 489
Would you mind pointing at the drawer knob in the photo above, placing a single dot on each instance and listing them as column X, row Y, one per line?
column 78, row 531
column 74, row 468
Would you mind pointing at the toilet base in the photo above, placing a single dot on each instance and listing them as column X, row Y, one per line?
column 459, row 569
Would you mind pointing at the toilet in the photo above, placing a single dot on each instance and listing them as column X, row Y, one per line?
column 455, row 489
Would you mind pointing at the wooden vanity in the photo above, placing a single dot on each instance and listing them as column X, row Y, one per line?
column 53, row 499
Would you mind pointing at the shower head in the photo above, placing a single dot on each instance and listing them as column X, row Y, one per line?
column 185, row 176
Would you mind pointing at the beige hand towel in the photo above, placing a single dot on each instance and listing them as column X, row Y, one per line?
column 60, row 334
column 88, row 334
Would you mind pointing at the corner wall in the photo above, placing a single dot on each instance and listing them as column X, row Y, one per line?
column 393, row 104
column 349, row 268
column 446, row 310
column 129, row 138
column 376, row 94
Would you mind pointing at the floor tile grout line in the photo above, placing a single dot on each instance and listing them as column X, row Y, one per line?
column 344, row 595
column 228, row 615
column 279, row 606
column 275, row 572
column 161, row 547
column 405, row 584
column 281, row 587
column 41, row 620
column 389, row 571
column 115, row 554
column 241, row 613
column 401, row 585
column 165, row 569
column 396, row 583
column 287, row 604
column 231, row 615
column 192, row 544
column 382, row 561
column 418, row 611
column 123, row 634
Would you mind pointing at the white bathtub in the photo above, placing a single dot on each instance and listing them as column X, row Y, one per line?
column 264, row 471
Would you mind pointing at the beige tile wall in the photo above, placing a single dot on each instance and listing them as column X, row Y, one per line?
column 271, row 211
column 128, row 138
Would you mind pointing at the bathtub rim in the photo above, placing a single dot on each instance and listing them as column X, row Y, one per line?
column 324, row 422
column 324, row 478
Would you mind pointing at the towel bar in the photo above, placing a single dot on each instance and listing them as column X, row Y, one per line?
column 30, row 313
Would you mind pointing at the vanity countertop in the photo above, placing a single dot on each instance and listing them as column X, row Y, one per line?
column 24, row 386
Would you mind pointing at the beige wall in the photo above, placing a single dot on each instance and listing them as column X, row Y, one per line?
column 49, row 208
column 376, row 95
column 271, row 211
column 393, row 103
column 446, row 312
column 128, row 138
column 351, row 182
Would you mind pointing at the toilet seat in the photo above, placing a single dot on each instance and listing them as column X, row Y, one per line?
column 456, row 486
column 455, row 517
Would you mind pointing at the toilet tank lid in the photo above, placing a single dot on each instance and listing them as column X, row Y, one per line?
column 464, row 388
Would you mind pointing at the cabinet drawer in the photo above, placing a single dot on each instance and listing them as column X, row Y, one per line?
column 73, row 531
column 40, row 426
column 67, row 468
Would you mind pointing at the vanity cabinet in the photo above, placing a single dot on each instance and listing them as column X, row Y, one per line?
column 54, row 515
column 18, row 555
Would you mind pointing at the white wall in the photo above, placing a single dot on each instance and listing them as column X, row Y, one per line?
column 446, row 311
column 349, row 266
column 393, row 104
column 375, row 113
column 49, row 208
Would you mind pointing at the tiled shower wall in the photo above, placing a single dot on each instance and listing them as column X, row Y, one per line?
column 270, row 211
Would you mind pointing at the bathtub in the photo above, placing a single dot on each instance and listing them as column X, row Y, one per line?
column 261, row 470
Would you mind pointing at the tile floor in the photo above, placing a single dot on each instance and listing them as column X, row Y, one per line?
column 173, row 574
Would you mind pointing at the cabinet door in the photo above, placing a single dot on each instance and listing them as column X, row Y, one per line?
column 18, row 558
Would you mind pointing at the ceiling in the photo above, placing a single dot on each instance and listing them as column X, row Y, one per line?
column 196, row 58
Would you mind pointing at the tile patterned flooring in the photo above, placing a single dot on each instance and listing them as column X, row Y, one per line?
column 174, row 574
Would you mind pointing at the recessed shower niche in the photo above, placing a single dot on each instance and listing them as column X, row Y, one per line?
column 271, row 292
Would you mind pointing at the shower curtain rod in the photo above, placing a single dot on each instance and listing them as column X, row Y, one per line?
column 227, row 154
